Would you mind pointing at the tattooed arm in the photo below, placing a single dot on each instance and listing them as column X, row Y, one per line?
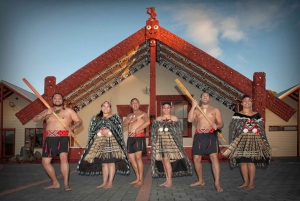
column 76, row 125
column 42, row 115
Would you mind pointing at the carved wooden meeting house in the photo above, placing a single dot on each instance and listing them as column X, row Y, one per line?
column 145, row 65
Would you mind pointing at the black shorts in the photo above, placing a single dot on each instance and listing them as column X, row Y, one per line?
column 205, row 143
column 135, row 144
column 53, row 146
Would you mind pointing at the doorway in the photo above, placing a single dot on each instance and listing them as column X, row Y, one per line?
column 8, row 142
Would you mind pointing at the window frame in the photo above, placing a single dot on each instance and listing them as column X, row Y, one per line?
column 175, row 98
column 283, row 128
column 35, row 133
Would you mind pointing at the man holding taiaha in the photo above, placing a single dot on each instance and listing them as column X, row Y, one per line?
column 57, row 138
column 136, row 142
column 205, row 138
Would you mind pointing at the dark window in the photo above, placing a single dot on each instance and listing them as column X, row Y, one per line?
column 34, row 135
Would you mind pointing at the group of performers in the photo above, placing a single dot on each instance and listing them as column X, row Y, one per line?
column 107, row 154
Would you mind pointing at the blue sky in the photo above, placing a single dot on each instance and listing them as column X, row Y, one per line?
column 56, row 38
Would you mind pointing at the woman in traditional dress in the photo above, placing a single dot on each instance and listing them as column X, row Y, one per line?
column 168, row 157
column 105, row 152
column 250, row 146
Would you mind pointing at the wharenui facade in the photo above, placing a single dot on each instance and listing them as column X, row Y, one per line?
column 144, row 66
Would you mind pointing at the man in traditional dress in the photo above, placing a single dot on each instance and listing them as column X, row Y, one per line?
column 57, row 140
column 205, row 138
column 136, row 142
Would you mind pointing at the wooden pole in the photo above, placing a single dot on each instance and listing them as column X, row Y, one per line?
column 48, row 106
column 191, row 98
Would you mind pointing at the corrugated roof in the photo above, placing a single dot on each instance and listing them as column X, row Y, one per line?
column 21, row 92
column 288, row 91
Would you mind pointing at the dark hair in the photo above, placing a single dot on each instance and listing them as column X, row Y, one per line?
column 204, row 93
column 246, row 96
column 58, row 94
column 100, row 114
column 164, row 103
column 133, row 100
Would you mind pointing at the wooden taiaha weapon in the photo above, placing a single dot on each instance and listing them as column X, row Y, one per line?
column 191, row 98
column 48, row 106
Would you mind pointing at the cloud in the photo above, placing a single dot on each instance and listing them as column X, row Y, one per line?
column 241, row 58
column 208, row 24
column 230, row 30
column 200, row 27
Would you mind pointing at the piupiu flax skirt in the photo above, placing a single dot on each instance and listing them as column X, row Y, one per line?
column 104, row 150
column 166, row 147
column 249, row 147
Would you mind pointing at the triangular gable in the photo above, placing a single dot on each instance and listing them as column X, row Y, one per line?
column 189, row 62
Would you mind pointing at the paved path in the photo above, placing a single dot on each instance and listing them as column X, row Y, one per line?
column 279, row 182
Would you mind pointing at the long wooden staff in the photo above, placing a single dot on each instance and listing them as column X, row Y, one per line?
column 48, row 106
column 190, row 97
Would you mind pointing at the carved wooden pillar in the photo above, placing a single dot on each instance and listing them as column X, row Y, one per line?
column 152, row 34
column 152, row 110
column 259, row 94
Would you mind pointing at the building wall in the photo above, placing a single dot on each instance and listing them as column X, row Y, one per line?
column 283, row 143
column 11, row 121
column 135, row 86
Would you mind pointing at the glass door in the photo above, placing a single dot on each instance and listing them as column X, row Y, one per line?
column 8, row 139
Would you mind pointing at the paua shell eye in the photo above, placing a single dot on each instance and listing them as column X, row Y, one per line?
column 155, row 27
column 148, row 27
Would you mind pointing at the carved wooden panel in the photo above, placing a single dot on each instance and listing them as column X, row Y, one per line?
column 279, row 107
column 34, row 108
column 258, row 96
column 82, row 75
column 206, row 61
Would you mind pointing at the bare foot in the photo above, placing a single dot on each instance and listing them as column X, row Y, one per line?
column 54, row 185
column 134, row 182
column 162, row 184
column 243, row 185
column 102, row 185
column 168, row 184
column 249, row 187
column 139, row 183
column 108, row 186
column 219, row 189
column 67, row 188
column 198, row 183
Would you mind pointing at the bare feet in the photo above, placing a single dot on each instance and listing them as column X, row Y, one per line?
column 102, row 185
column 67, row 188
column 108, row 186
column 54, row 185
column 139, row 183
column 243, row 185
column 198, row 183
column 249, row 187
column 134, row 182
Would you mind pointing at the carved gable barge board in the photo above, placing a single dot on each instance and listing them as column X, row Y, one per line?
column 84, row 73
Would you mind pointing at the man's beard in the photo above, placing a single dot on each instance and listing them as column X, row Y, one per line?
column 56, row 105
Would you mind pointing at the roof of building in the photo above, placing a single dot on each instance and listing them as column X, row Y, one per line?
column 9, row 89
column 188, row 62
column 292, row 92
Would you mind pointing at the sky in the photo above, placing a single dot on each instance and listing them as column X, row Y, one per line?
column 40, row 38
